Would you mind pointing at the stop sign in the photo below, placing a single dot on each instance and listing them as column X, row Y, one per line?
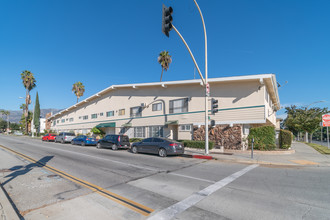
column 326, row 120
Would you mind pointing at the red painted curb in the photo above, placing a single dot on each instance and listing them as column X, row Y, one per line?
column 202, row 157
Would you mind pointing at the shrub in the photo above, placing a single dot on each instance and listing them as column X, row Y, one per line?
column 95, row 130
column 264, row 138
column 132, row 140
column 285, row 139
column 196, row 144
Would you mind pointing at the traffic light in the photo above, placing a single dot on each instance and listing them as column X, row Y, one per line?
column 214, row 106
column 167, row 20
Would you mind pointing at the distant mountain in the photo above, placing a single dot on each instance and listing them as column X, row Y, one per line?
column 15, row 116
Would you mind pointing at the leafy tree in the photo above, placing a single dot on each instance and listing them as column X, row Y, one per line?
column 164, row 59
column 78, row 89
column 15, row 126
column 27, row 122
column 303, row 119
column 3, row 125
column 36, row 116
column 29, row 83
column 7, row 113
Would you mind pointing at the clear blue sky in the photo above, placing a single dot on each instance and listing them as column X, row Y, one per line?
column 101, row 43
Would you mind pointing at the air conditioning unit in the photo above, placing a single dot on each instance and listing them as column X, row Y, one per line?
column 143, row 105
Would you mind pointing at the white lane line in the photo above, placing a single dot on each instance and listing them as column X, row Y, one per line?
column 191, row 177
column 183, row 205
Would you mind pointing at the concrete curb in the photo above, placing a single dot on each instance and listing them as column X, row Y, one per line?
column 6, row 208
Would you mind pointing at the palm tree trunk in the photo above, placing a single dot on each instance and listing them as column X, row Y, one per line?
column 161, row 76
column 26, row 111
column 77, row 99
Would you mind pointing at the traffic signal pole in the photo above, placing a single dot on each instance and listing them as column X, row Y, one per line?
column 167, row 26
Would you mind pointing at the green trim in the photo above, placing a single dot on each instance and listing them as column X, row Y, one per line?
column 106, row 125
column 152, row 116
column 172, row 122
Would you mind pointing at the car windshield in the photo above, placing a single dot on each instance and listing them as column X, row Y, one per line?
column 70, row 134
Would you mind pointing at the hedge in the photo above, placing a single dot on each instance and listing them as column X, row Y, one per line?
column 264, row 138
column 135, row 140
column 196, row 144
column 285, row 139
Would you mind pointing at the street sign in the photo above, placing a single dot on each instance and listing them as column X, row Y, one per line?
column 326, row 120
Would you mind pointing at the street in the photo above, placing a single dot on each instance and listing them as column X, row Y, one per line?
column 64, row 181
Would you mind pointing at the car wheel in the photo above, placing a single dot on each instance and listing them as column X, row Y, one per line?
column 83, row 144
column 98, row 146
column 162, row 152
column 114, row 147
column 62, row 141
column 72, row 142
column 134, row 150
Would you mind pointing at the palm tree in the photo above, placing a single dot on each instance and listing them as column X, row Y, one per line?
column 29, row 83
column 78, row 89
column 164, row 60
column 7, row 113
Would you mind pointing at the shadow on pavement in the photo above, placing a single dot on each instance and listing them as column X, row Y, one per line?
column 22, row 170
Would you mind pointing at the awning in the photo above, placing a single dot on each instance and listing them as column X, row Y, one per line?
column 127, row 125
column 172, row 122
column 106, row 125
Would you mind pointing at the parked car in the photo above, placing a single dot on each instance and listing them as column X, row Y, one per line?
column 64, row 137
column 160, row 146
column 84, row 140
column 49, row 137
column 114, row 142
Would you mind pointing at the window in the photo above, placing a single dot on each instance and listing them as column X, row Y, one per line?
column 185, row 127
column 94, row 116
column 157, row 107
column 85, row 117
column 101, row 114
column 147, row 140
column 136, row 112
column 179, row 105
column 79, row 117
column 121, row 112
column 63, row 120
column 110, row 113
column 156, row 131
column 71, row 120
column 54, row 123
column 58, row 121
column 67, row 119
column 139, row 132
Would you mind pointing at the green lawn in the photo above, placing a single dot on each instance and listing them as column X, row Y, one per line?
column 320, row 148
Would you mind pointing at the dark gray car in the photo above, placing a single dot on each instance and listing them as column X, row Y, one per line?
column 160, row 146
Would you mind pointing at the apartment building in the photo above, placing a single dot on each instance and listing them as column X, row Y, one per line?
column 176, row 109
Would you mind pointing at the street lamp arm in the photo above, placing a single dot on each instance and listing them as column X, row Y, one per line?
column 205, row 38
column 191, row 54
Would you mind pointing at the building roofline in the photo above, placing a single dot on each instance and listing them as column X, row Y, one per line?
column 259, row 77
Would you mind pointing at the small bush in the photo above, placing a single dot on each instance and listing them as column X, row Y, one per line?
column 285, row 139
column 264, row 138
column 196, row 144
column 132, row 140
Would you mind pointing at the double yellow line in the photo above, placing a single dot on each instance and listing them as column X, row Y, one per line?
column 115, row 197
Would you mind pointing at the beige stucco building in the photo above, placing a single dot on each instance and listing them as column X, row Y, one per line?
column 175, row 109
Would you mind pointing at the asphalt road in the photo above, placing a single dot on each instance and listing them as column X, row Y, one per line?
column 74, row 182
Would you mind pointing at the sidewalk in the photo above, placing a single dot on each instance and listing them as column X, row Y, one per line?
column 300, row 154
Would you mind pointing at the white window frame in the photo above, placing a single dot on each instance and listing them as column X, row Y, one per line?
column 120, row 110
column 93, row 116
column 157, row 107
column 179, row 105
column 139, row 132
column 108, row 113
column 158, row 130
column 185, row 127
